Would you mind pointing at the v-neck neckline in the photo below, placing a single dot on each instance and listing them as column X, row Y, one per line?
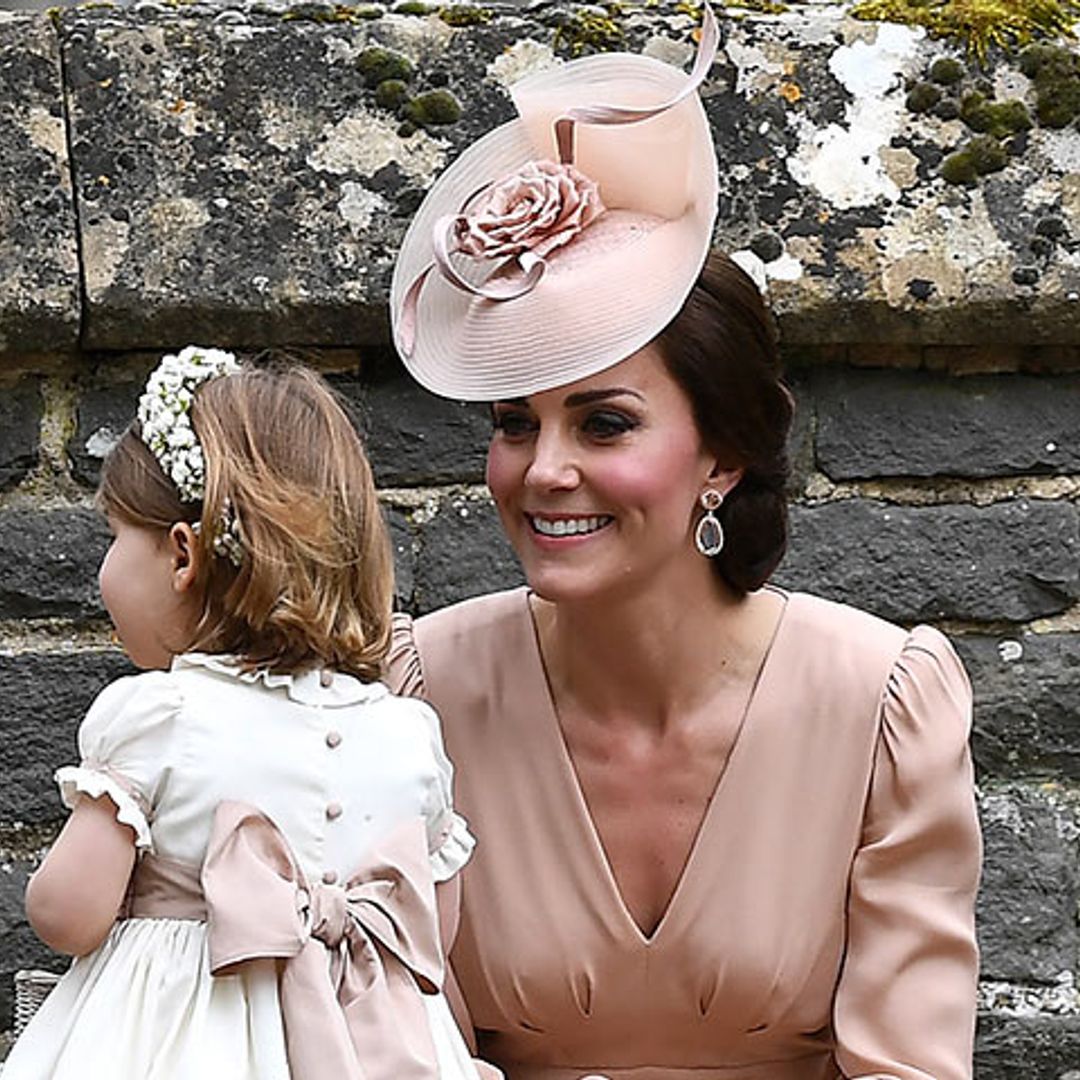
column 573, row 782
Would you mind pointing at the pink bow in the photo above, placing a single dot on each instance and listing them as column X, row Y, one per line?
column 357, row 956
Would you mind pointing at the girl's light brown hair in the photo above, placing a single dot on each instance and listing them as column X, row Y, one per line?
column 315, row 587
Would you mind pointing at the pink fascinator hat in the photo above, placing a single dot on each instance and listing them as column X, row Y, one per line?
column 565, row 240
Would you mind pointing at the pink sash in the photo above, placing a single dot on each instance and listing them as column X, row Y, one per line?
column 356, row 958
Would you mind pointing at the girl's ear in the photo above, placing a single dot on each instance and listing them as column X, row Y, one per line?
column 186, row 556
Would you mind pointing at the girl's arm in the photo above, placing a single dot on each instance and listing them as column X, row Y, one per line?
column 73, row 899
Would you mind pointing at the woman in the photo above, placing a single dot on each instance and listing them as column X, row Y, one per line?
column 725, row 831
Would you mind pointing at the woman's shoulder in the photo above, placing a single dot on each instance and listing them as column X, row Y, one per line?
column 463, row 639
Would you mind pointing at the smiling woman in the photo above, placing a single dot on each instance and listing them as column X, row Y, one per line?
column 724, row 831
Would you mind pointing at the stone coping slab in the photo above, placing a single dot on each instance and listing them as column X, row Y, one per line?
column 39, row 270
column 249, row 170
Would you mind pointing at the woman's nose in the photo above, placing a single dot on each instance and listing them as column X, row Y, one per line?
column 554, row 463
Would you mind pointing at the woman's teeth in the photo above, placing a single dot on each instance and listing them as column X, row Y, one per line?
column 569, row 526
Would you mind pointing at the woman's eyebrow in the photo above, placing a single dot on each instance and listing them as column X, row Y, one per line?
column 588, row 397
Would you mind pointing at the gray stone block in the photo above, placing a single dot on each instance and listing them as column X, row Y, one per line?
column 462, row 553
column 20, row 424
column 238, row 176
column 1027, row 703
column 1011, row 561
column 49, row 561
column 43, row 698
column 414, row 437
column 801, row 439
column 39, row 301
column 103, row 413
column 1027, row 1047
column 896, row 423
column 1027, row 909
column 402, row 542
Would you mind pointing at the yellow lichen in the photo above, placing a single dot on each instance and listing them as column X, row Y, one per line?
column 978, row 24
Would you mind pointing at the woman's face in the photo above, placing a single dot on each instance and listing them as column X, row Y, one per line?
column 597, row 482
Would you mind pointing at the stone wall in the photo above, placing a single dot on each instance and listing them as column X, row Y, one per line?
column 236, row 175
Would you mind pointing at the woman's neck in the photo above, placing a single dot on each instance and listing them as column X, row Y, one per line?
column 656, row 655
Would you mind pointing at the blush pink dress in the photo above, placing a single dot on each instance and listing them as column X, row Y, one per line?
column 823, row 923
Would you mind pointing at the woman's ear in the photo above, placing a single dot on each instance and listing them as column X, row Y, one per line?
column 186, row 556
column 724, row 478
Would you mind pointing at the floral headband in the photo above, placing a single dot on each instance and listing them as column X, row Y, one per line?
column 165, row 425
column 521, row 218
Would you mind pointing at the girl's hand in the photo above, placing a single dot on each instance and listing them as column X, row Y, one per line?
column 74, row 897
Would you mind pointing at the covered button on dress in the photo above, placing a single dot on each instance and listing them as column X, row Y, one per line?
column 822, row 926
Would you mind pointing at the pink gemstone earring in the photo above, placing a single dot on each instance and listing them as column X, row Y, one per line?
column 709, row 534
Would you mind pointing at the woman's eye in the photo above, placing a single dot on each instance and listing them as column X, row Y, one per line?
column 513, row 424
column 607, row 424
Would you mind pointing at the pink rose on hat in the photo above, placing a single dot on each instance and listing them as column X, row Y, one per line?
column 539, row 208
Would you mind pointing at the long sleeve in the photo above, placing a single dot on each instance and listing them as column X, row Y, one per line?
column 905, row 1004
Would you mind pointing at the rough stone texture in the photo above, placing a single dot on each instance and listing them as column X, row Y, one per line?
column 39, row 284
column 403, row 544
column 1027, row 911
column 461, row 553
column 233, row 171
column 103, row 412
column 416, row 438
column 1010, row 561
column 43, row 698
column 20, row 421
column 1027, row 702
column 893, row 423
column 1027, row 1047
column 49, row 562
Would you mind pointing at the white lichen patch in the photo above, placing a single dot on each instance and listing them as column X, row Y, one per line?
column 364, row 144
column 47, row 133
column 420, row 38
column 843, row 162
column 1013, row 999
column 999, row 808
column 956, row 248
column 101, row 442
column 104, row 249
column 668, row 50
column 285, row 127
column 524, row 57
column 357, row 206
column 178, row 214
column 758, row 70
column 1060, row 149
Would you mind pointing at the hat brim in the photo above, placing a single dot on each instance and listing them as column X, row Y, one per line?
column 596, row 305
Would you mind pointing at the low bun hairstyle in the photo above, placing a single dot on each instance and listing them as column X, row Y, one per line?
column 722, row 351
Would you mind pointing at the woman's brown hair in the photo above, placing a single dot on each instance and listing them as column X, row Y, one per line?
column 315, row 584
column 722, row 351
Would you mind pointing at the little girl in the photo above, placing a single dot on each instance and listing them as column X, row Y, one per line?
column 247, row 877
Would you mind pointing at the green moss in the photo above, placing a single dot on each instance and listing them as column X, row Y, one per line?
column 997, row 118
column 983, row 154
column 434, row 108
column 922, row 97
column 946, row 71
column 412, row 7
column 465, row 15
column 978, row 24
column 377, row 65
column 1055, row 71
column 391, row 94
column 589, row 32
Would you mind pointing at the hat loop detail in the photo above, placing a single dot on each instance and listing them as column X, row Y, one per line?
column 454, row 233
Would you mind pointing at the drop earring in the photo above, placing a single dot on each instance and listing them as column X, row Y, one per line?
column 709, row 534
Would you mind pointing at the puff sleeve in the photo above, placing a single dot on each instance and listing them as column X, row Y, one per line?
column 449, row 840
column 123, row 746
column 404, row 674
column 905, row 1003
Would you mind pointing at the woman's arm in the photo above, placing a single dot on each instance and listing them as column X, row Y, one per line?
column 73, row 899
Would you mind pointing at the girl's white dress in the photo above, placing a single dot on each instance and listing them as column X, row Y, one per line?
column 336, row 767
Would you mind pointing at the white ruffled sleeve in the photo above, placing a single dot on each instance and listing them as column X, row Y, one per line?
column 449, row 840
column 123, row 747
column 905, row 1004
